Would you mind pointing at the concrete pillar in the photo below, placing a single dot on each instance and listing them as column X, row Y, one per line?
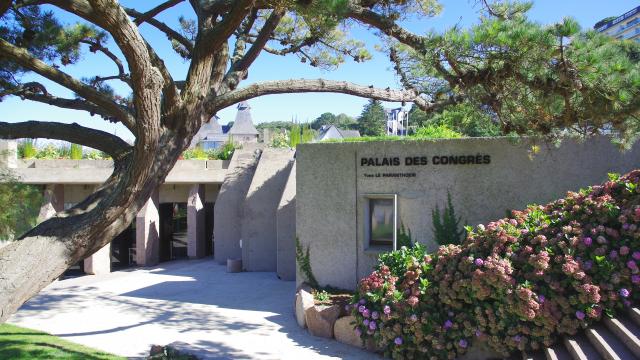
column 148, row 232
column 8, row 154
column 100, row 262
column 196, row 242
column 53, row 201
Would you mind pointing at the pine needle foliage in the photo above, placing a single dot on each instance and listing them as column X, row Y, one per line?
column 446, row 225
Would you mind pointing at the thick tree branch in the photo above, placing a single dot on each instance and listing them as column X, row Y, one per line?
column 238, row 70
column 171, row 34
column 317, row 85
column 22, row 57
column 156, row 10
column 387, row 26
column 74, row 133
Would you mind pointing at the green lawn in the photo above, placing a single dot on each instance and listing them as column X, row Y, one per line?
column 20, row 343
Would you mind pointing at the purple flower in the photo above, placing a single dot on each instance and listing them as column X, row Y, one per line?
column 587, row 241
column 361, row 308
column 635, row 279
column 463, row 343
column 398, row 341
column 358, row 332
column 541, row 299
column 632, row 264
column 580, row 315
column 613, row 254
column 636, row 255
column 365, row 322
column 517, row 338
column 375, row 315
column 366, row 313
column 624, row 293
column 626, row 303
column 587, row 265
column 413, row 317
column 478, row 333
column 363, row 301
column 372, row 325
column 479, row 262
column 625, row 226
column 448, row 324
column 386, row 310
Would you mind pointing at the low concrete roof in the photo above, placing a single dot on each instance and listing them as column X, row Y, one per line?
column 97, row 171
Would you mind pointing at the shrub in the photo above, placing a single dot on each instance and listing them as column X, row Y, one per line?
column 75, row 152
column 518, row 283
column 226, row 151
column 446, row 226
column 27, row 149
column 437, row 132
column 50, row 152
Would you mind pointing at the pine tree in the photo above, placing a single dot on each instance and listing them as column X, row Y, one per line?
column 372, row 120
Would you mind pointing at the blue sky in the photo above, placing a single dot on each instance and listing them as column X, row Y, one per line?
column 303, row 107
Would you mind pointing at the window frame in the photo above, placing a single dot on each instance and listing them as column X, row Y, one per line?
column 368, row 241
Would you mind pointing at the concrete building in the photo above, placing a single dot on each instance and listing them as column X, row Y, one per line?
column 623, row 27
column 352, row 198
column 345, row 202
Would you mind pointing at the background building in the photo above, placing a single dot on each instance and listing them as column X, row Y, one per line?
column 397, row 121
column 623, row 27
column 212, row 135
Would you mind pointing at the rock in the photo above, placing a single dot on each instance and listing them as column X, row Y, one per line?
column 304, row 301
column 321, row 318
column 344, row 332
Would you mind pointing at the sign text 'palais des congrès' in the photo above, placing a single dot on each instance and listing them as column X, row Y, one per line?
column 436, row 160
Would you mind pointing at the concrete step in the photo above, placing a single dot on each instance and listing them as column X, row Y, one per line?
column 607, row 344
column 634, row 314
column 557, row 352
column 626, row 331
column 580, row 348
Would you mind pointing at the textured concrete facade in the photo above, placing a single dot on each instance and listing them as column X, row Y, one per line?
column 148, row 233
column 196, row 222
column 258, row 227
column 334, row 182
column 286, row 229
column 229, row 205
column 100, row 262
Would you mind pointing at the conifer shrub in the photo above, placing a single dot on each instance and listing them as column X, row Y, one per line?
column 518, row 283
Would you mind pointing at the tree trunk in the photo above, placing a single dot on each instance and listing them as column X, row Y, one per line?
column 43, row 254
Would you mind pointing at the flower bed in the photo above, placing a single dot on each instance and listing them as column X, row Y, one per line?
column 514, row 284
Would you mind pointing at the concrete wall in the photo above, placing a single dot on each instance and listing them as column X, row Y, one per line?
column 286, row 229
column 259, row 231
column 178, row 193
column 229, row 206
column 332, row 184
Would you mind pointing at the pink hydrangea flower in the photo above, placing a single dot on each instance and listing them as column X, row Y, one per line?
column 636, row 255
column 587, row 241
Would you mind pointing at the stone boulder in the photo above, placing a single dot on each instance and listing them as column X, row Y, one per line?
column 304, row 301
column 343, row 331
column 321, row 319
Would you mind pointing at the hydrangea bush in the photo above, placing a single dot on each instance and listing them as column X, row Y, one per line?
column 514, row 284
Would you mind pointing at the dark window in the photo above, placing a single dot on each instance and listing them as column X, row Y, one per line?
column 381, row 221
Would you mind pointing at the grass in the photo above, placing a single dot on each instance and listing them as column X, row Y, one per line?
column 18, row 343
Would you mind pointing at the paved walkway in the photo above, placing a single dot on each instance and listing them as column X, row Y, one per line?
column 219, row 315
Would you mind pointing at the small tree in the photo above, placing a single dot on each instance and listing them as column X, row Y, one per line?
column 446, row 226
